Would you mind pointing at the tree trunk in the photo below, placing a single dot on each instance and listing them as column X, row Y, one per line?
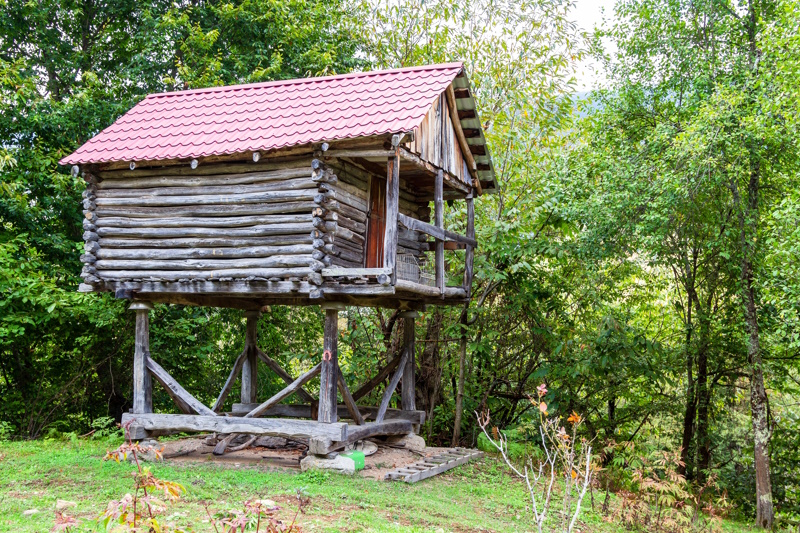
column 703, row 400
column 462, row 361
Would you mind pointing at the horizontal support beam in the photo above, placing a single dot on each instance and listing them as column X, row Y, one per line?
column 433, row 231
column 305, row 411
column 340, row 271
column 304, row 429
column 322, row 445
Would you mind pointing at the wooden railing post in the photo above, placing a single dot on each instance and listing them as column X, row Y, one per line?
column 142, row 384
column 250, row 366
column 392, row 210
column 329, row 373
column 408, row 399
column 469, row 256
column 438, row 205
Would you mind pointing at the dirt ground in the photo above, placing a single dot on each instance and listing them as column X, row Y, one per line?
column 195, row 449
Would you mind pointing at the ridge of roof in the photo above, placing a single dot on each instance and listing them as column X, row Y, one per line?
column 308, row 80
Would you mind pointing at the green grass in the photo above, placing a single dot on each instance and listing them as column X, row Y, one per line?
column 477, row 497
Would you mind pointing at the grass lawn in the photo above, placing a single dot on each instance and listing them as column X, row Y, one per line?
column 477, row 497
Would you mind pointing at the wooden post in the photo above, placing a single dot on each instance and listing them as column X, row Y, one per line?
column 250, row 366
column 329, row 374
column 392, row 210
column 408, row 400
column 142, row 384
column 438, row 205
column 470, row 251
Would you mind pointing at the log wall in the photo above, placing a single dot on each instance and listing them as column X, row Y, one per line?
column 251, row 222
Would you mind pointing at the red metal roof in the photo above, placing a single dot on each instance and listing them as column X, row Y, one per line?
column 265, row 116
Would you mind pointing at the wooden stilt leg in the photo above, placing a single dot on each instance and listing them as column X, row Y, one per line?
column 329, row 375
column 142, row 384
column 250, row 366
column 409, row 380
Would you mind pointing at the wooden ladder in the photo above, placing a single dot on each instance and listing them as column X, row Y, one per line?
column 432, row 466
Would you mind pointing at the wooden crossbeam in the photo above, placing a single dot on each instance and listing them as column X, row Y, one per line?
column 387, row 394
column 226, row 389
column 284, row 375
column 178, row 394
column 349, row 402
column 367, row 387
column 308, row 411
column 433, row 231
column 286, row 392
column 322, row 445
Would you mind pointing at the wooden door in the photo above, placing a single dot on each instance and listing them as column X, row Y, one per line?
column 376, row 226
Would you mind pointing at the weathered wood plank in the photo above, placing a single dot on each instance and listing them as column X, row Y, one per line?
column 284, row 375
column 203, row 253
column 249, row 391
column 305, row 411
column 304, row 429
column 209, row 188
column 392, row 213
column 373, row 382
column 285, row 393
column 226, row 243
column 182, row 174
column 438, row 201
column 323, row 445
column 142, row 385
column 273, row 261
column 211, row 199
column 349, row 402
column 387, row 394
column 408, row 391
column 469, row 256
column 172, row 275
column 330, row 368
column 202, row 222
column 175, row 390
column 226, row 389
column 206, row 210
column 433, row 231
column 261, row 230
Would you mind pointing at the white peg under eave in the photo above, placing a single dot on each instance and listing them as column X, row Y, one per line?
column 132, row 165
column 193, row 164
column 256, row 156
column 75, row 170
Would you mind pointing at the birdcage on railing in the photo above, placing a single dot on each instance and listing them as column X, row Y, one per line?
column 410, row 268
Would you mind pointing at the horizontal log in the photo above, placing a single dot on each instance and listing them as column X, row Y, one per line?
column 323, row 445
column 433, row 231
column 298, row 260
column 334, row 272
column 305, row 411
column 218, row 242
column 344, row 263
column 184, row 173
column 202, row 222
column 237, row 288
column 294, row 429
column 205, row 210
column 261, row 230
column 171, row 275
column 212, row 199
column 344, row 197
column 202, row 253
column 350, row 212
column 281, row 185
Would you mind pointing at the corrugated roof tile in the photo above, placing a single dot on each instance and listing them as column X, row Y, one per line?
column 265, row 116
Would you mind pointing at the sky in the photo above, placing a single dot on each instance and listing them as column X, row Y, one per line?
column 588, row 14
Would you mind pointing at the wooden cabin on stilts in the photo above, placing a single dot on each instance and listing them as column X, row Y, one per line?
column 313, row 191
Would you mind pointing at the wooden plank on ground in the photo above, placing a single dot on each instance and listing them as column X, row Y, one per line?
column 432, row 466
